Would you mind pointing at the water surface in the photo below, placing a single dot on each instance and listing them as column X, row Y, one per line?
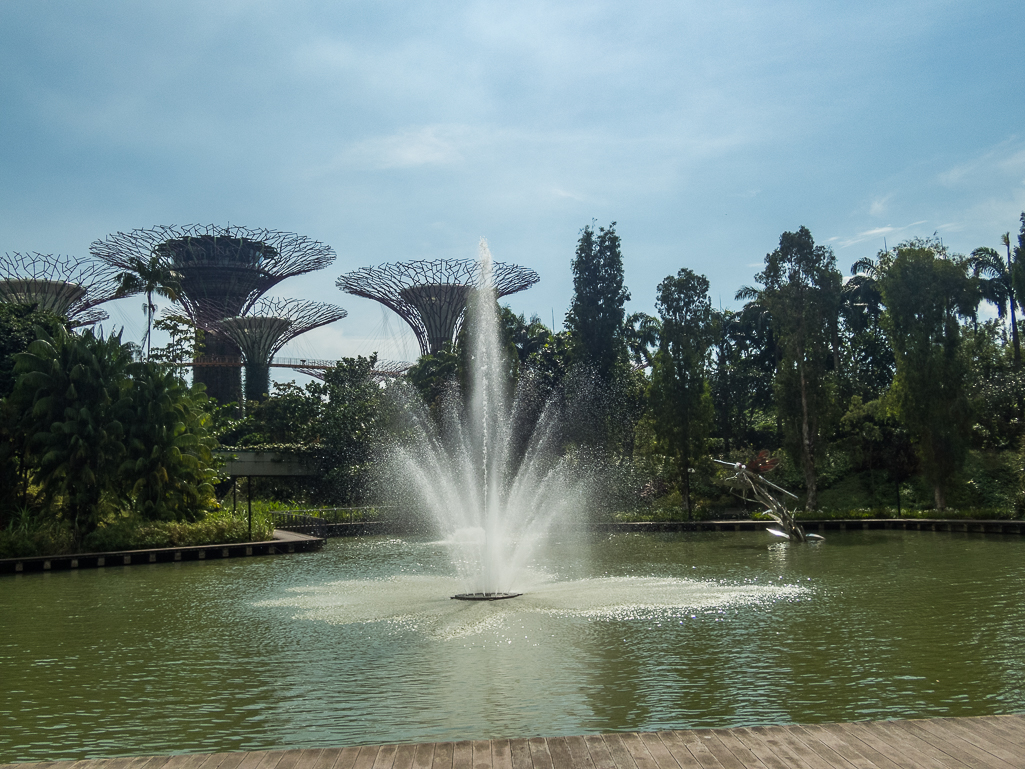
column 360, row 643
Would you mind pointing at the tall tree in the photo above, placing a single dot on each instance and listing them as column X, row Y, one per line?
column 801, row 292
column 149, row 276
column 996, row 282
column 680, row 396
column 926, row 292
column 596, row 314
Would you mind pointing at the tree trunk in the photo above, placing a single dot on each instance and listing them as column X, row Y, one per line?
column 807, row 449
column 940, row 496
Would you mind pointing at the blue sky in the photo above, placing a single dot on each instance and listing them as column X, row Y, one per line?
column 408, row 130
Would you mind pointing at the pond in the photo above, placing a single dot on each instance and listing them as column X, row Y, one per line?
column 361, row 644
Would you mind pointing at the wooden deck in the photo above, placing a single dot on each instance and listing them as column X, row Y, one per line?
column 989, row 742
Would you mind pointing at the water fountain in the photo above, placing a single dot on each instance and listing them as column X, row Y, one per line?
column 491, row 478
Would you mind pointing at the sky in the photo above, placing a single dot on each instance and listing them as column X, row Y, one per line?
column 399, row 131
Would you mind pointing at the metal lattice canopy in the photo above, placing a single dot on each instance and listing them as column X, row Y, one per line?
column 64, row 285
column 223, row 271
column 273, row 322
column 431, row 296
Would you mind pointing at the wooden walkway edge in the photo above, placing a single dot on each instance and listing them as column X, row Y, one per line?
column 283, row 542
column 985, row 742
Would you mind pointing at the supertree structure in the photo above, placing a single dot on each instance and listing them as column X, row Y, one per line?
column 431, row 296
column 221, row 273
column 65, row 285
column 383, row 370
column 269, row 326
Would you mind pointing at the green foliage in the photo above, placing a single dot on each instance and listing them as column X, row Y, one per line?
column 925, row 293
column 333, row 424
column 72, row 391
column 169, row 468
column 801, row 293
column 680, row 395
column 595, row 317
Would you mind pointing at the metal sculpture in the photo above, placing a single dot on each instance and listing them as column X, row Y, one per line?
column 222, row 273
column 271, row 324
column 431, row 296
column 748, row 477
column 383, row 370
column 65, row 285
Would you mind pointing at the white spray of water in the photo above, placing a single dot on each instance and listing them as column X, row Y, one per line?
column 493, row 502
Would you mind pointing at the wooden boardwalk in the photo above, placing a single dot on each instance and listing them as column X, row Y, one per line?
column 988, row 742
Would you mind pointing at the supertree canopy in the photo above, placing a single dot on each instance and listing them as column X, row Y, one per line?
column 270, row 326
column 64, row 285
column 431, row 296
column 221, row 272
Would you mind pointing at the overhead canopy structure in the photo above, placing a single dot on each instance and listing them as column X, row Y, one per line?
column 271, row 325
column 222, row 273
column 64, row 285
column 431, row 296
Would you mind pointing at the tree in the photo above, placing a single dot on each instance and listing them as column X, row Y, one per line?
column 72, row 391
column 149, row 276
column 680, row 396
column 595, row 317
column 801, row 292
column 868, row 365
column 17, row 332
column 996, row 282
column 169, row 470
column 926, row 291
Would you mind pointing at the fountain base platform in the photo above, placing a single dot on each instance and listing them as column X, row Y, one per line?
column 484, row 596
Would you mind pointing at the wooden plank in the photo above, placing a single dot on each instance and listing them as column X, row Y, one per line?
column 558, row 749
column 462, row 755
column 539, row 756
column 366, row 757
column 481, row 755
column 992, row 742
column 519, row 749
column 501, row 754
column 620, row 755
column 442, row 756
column 902, row 731
column 658, row 751
column 776, row 741
column 599, row 752
column 903, row 756
column 689, row 742
column 826, row 755
column 579, row 753
column 216, row 760
column 896, row 742
column 385, row 757
column 638, row 752
column 1007, row 731
column 961, row 750
column 856, row 752
column 347, row 758
column 762, row 750
column 404, row 756
column 736, row 750
column 709, row 741
column 423, row 756
column 290, row 760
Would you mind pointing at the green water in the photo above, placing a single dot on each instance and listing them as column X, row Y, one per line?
column 360, row 643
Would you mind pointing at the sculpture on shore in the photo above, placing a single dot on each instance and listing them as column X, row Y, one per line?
column 748, row 477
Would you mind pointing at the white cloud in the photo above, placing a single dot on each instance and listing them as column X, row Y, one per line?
column 876, row 233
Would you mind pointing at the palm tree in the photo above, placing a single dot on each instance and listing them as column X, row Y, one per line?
column 149, row 276
column 998, row 284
